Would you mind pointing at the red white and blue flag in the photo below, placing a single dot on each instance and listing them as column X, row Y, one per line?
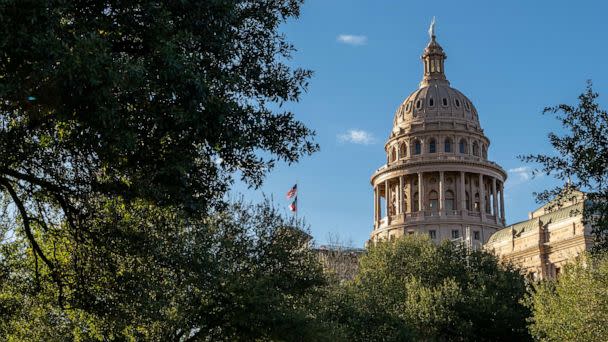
column 293, row 191
column 294, row 205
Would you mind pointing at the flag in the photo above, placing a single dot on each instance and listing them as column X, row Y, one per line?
column 292, row 192
column 294, row 205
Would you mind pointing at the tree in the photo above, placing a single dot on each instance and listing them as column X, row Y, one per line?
column 575, row 306
column 340, row 259
column 241, row 274
column 580, row 161
column 413, row 289
column 159, row 101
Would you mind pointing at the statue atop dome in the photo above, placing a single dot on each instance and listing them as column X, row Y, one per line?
column 432, row 29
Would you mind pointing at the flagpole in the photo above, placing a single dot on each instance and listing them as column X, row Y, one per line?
column 297, row 202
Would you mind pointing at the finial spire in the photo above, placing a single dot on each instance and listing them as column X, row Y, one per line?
column 434, row 58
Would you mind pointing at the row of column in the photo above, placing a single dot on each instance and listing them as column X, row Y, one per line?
column 496, row 188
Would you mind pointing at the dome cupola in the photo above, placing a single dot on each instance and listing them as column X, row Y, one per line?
column 435, row 100
column 434, row 58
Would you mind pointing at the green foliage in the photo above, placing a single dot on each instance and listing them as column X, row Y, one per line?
column 575, row 306
column 580, row 161
column 412, row 289
column 122, row 125
column 160, row 101
column 149, row 274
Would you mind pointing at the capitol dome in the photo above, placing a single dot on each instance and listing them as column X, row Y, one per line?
column 437, row 179
column 434, row 102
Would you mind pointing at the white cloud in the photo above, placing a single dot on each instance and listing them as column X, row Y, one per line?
column 523, row 173
column 357, row 136
column 352, row 39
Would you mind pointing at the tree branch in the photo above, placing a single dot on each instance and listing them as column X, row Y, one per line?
column 30, row 236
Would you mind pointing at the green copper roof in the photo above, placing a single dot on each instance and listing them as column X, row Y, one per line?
column 531, row 225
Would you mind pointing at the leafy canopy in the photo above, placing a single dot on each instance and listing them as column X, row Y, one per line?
column 580, row 161
column 412, row 289
column 149, row 274
column 575, row 306
column 153, row 101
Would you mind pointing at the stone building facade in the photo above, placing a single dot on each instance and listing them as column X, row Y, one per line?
column 543, row 244
column 438, row 179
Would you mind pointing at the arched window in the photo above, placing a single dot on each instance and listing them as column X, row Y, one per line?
column 415, row 202
column 393, row 154
column 468, row 200
column 418, row 104
column 445, row 102
column 402, row 150
column 476, row 149
column 484, row 152
column 433, row 200
column 477, row 206
column 417, row 147
column 431, row 102
column 404, row 209
column 463, row 146
column 449, row 200
column 432, row 146
column 408, row 106
column 447, row 145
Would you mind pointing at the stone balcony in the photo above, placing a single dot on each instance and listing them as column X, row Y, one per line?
column 439, row 157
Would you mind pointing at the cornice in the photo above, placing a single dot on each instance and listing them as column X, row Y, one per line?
column 413, row 165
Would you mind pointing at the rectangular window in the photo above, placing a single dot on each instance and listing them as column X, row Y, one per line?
column 432, row 234
column 455, row 234
column 476, row 235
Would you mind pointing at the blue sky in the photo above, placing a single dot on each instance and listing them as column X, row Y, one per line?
column 511, row 58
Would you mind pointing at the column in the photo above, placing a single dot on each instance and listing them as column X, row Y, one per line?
column 502, row 202
column 400, row 195
column 494, row 200
column 378, row 207
column 482, row 198
column 375, row 214
column 441, row 196
column 387, row 201
column 420, row 192
column 463, row 199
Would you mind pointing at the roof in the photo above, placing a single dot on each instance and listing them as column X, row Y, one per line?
column 522, row 227
column 434, row 99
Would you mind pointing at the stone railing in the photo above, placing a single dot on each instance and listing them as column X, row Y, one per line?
column 439, row 157
column 432, row 215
